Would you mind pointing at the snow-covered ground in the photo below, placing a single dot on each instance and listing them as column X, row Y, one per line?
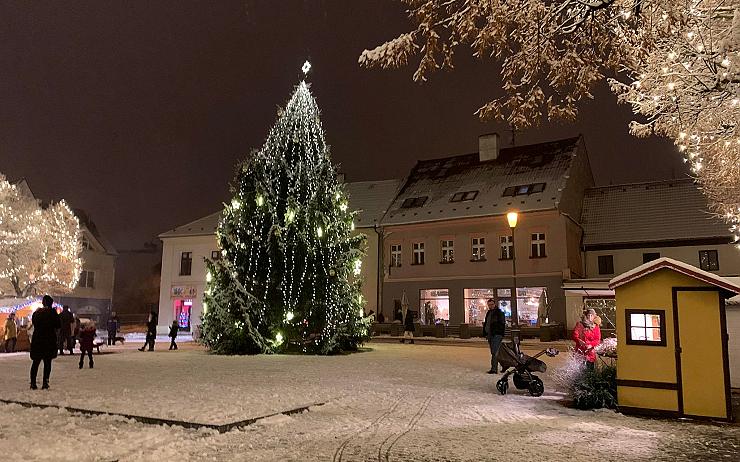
column 392, row 402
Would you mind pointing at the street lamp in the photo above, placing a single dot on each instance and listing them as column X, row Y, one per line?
column 512, row 218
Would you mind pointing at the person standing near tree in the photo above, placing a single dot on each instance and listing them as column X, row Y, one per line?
column 65, row 332
column 494, row 328
column 11, row 333
column 114, row 326
column 44, row 344
column 151, row 332
column 174, row 328
column 587, row 336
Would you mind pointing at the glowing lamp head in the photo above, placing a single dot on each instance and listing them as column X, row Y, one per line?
column 512, row 218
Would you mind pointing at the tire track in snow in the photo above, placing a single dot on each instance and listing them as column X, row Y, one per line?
column 410, row 426
column 339, row 452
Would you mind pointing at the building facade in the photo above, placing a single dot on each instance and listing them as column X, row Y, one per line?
column 449, row 248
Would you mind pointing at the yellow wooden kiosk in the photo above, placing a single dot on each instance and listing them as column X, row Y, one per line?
column 672, row 337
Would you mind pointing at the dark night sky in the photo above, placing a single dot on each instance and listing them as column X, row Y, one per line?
column 138, row 111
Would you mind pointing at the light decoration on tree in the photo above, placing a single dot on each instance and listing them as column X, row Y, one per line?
column 675, row 61
column 284, row 280
column 39, row 247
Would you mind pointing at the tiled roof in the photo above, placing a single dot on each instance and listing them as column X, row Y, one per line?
column 372, row 199
column 440, row 179
column 648, row 212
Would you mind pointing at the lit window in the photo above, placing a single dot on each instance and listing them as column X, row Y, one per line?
column 522, row 189
column 538, row 245
column 507, row 247
column 434, row 305
column 476, row 305
column 396, row 255
column 646, row 327
column 478, row 249
column 709, row 260
column 215, row 255
column 418, row 253
column 448, row 251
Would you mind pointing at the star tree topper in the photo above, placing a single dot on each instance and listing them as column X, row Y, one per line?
column 306, row 67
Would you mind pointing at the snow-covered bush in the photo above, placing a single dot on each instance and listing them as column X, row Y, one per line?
column 588, row 389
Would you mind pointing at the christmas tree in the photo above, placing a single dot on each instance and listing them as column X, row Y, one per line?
column 284, row 281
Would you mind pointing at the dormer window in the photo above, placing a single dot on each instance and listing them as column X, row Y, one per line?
column 413, row 202
column 524, row 189
column 464, row 196
column 86, row 243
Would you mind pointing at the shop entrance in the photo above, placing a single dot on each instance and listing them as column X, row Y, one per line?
column 183, row 310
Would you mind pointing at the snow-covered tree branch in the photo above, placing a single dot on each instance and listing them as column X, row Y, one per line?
column 675, row 61
column 39, row 247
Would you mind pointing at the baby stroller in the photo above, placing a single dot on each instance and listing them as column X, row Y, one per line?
column 513, row 361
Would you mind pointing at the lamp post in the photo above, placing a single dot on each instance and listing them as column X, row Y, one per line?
column 512, row 218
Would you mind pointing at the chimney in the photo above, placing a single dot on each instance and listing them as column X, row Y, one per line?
column 488, row 146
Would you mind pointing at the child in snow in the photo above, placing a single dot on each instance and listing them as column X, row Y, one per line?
column 173, row 333
column 87, row 334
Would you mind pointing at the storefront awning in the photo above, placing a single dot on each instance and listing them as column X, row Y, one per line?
column 588, row 288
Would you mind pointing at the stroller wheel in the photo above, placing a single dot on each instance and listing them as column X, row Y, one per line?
column 502, row 386
column 536, row 387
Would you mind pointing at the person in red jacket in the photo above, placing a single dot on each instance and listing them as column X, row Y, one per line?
column 587, row 336
column 87, row 334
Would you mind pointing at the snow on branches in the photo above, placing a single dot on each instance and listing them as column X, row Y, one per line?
column 675, row 61
column 39, row 247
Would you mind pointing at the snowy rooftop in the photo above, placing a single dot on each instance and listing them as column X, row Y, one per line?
column 201, row 227
column 678, row 266
column 648, row 212
column 372, row 199
column 438, row 182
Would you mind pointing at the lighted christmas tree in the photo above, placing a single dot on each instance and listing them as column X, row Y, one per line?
column 284, row 281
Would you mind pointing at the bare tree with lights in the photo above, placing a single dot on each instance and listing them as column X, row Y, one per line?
column 39, row 247
column 675, row 61
column 284, row 281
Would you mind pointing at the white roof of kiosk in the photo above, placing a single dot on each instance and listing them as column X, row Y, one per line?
column 679, row 267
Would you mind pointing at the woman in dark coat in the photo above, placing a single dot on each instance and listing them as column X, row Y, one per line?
column 151, row 331
column 408, row 326
column 44, row 344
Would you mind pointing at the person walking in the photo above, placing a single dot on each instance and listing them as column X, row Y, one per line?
column 174, row 328
column 87, row 334
column 114, row 326
column 151, row 332
column 44, row 344
column 494, row 328
column 587, row 336
column 11, row 333
column 408, row 327
column 65, row 332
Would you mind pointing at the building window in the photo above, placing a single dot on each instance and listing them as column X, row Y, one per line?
column 476, row 305
column 186, row 263
column 709, row 260
column 646, row 327
column 650, row 256
column 464, row 196
column 507, row 247
column 538, row 245
column 503, row 300
column 418, row 253
column 215, row 255
column 87, row 279
column 434, row 306
column 396, row 255
column 606, row 264
column 448, row 251
column 86, row 243
column 413, row 202
column 530, row 303
column 478, row 249
column 524, row 189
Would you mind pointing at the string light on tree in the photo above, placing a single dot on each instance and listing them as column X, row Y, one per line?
column 285, row 278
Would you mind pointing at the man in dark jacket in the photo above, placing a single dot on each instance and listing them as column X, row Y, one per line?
column 44, row 341
column 151, row 331
column 494, row 328
column 113, row 328
column 65, row 332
